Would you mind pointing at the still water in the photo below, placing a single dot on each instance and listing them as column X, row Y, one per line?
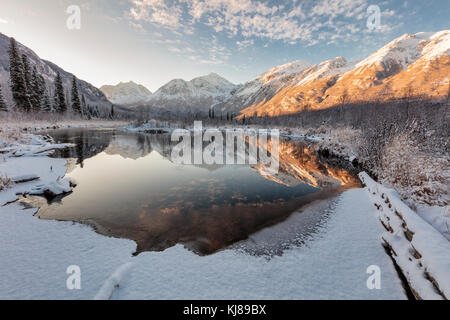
column 128, row 187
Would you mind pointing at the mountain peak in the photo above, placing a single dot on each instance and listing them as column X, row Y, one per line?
column 409, row 48
column 196, row 95
column 328, row 68
column 210, row 77
column 126, row 93
column 284, row 70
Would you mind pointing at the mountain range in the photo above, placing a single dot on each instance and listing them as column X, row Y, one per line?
column 177, row 96
column 413, row 65
column 410, row 66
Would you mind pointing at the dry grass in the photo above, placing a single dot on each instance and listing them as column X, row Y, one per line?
column 5, row 182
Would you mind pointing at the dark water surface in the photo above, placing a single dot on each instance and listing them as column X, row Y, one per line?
column 127, row 187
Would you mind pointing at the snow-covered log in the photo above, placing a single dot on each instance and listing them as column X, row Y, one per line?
column 420, row 251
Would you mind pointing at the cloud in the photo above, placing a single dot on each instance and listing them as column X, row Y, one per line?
column 3, row 21
column 211, row 53
column 157, row 12
column 244, row 44
column 345, row 8
column 174, row 50
column 309, row 22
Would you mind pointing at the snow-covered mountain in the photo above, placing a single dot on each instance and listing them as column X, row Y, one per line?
column 264, row 87
column 196, row 95
column 126, row 93
column 303, row 89
column 48, row 70
column 417, row 64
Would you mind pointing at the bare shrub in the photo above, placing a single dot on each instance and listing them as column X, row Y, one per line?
column 5, row 182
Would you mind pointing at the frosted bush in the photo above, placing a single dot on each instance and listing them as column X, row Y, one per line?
column 421, row 176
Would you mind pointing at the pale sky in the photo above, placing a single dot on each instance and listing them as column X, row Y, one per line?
column 154, row 41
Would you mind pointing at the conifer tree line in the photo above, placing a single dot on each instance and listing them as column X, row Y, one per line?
column 30, row 93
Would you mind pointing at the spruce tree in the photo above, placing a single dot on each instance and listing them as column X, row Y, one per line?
column 45, row 104
column 76, row 104
column 89, row 111
column 68, row 104
column 17, row 80
column 26, row 74
column 59, row 98
column 112, row 112
column 3, row 106
column 84, row 109
column 38, row 88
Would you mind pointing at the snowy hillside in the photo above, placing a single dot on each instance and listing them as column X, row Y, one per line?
column 326, row 69
column 126, row 93
column 48, row 70
column 409, row 48
column 265, row 86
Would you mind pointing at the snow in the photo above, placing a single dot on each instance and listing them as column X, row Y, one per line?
column 407, row 49
column 27, row 164
column 24, row 178
column 199, row 94
column 211, row 85
column 113, row 282
column 438, row 217
column 326, row 69
column 36, row 254
column 433, row 248
column 283, row 71
column 35, row 146
column 265, row 86
column 330, row 265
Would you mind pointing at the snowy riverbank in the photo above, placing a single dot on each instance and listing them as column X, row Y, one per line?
column 25, row 168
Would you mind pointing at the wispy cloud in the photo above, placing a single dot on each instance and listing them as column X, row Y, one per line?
column 310, row 21
column 157, row 12
column 244, row 44
column 175, row 50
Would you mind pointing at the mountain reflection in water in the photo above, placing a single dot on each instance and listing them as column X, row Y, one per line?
column 127, row 187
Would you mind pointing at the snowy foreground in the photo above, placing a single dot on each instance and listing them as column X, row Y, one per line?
column 332, row 264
